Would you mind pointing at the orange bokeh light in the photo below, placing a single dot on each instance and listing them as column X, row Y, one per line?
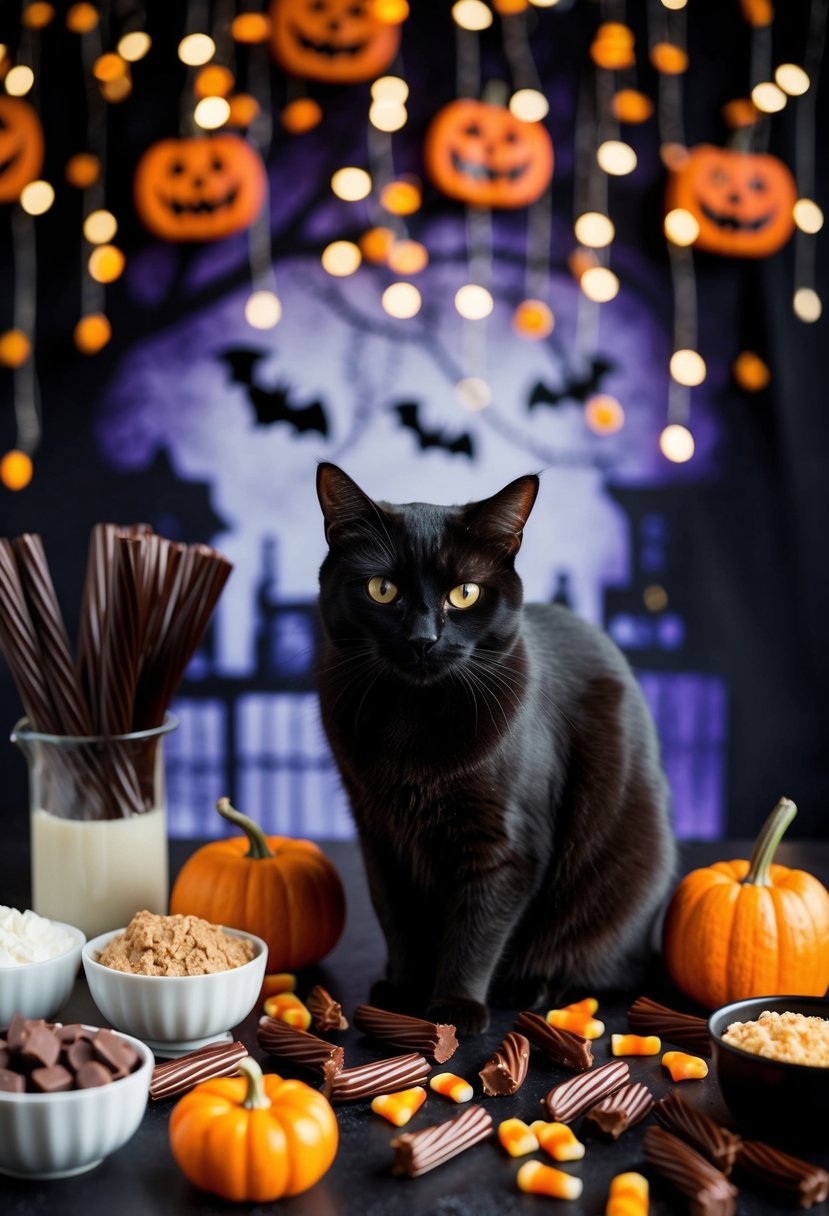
column 533, row 319
column 741, row 112
column 81, row 18
column 750, row 372
column 402, row 196
column 92, row 333
column 407, row 257
column 109, row 67
column 243, row 110
column 250, row 28
column 629, row 105
column 16, row 470
column 106, row 263
column 38, row 15
column 215, row 80
column 603, row 414
column 375, row 244
column 669, row 58
column 82, row 170
column 15, row 348
column 301, row 115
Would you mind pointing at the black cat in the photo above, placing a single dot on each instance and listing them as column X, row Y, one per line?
column 501, row 763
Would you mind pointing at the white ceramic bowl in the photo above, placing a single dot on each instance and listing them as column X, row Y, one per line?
column 58, row 1135
column 175, row 1014
column 39, row 990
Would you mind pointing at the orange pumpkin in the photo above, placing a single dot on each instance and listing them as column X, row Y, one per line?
column 338, row 41
column 739, row 929
column 742, row 200
column 283, row 890
column 482, row 155
column 21, row 147
column 253, row 1138
column 199, row 189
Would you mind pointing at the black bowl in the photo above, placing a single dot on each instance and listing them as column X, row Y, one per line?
column 771, row 1100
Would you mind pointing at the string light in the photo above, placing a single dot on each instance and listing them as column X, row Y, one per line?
column 387, row 115
column 109, row 67
column 529, row 105
column 750, row 372
column 82, row 18
column 100, row 227
column 594, row 230
column 196, row 50
column 341, row 258
column 300, row 115
column 473, row 302
column 681, row 226
column 392, row 12
column 808, row 216
column 16, row 470
column 92, row 333
column 604, row 414
column 674, row 5
column 37, row 197
column 215, row 80
column 351, row 184
column 688, row 367
column 768, row 97
column 82, row 170
column 375, row 244
column 807, row 304
column 106, row 263
column 616, row 157
column 407, row 257
column 792, row 79
column 211, row 113
column 599, row 284
column 629, row 105
column 134, row 46
column 676, row 443
column 15, row 348
column 401, row 300
column 474, row 393
column 471, row 15
column 533, row 319
column 19, row 80
column 244, row 109
column 37, row 15
column 263, row 310
column 402, row 196
column 250, row 28
column 390, row 88
column 655, row 597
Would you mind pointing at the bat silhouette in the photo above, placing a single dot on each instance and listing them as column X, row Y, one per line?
column 272, row 404
column 409, row 415
column 577, row 387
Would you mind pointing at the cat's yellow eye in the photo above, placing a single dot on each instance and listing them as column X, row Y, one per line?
column 382, row 590
column 464, row 595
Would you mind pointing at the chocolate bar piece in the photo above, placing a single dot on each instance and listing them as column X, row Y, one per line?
column 53, row 1080
column 708, row 1190
column 118, row 1055
column 12, row 1082
column 562, row 1046
column 93, row 1074
column 786, row 1175
column 176, row 1076
column 621, row 1109
column 432, row 1039
column 40, row 1048
column 717, row 1144
column 289, row 1043
column 571, row 1098
column 419, row 1152
column 648, row 1017
column 326, row 1012
column 505, row 1070
column 379, row 1077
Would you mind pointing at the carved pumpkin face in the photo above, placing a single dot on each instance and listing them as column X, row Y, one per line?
column 482, row 155
column 742, row 201
column 199, row 189
column 339, row 41
column 21, row 147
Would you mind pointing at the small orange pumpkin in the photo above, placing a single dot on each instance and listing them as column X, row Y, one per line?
column 253, row 1138
column 338, row 41
column 482, row 155
column 21, row 147
column 742, row 200
column 283, row 890
column 740, row 929
column 199, row 189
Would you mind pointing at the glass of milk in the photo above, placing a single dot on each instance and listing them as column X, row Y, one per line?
column 98, row 825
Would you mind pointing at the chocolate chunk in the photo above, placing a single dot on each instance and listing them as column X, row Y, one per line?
column 19, row 1030
column 621, row 1109
column 505, row 1070
column 40, row 1047
column 380, row 1077
column 787, row 1176
column 717, row 1144
column 648, row 1017
column 72, row 1032
column 5, row 1054
column 53, row 1080
column 289, row 1043
column 709, row 1191
column 215, row 1060
column 118, row 1055
column 93, row 1074
column 326, row 1012
column 419, row 1152
column 78, row 1053
column 437, row 1040
column 576, row 1095
column 564, row 1048
column 12, row 1082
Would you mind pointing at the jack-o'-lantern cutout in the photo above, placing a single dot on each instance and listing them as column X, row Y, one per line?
column 338, row 41
column 742, row 201
column 199, row 189
column 484, row 156
column 21, row 147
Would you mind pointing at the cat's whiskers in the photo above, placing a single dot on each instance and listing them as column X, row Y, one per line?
column 489, row 693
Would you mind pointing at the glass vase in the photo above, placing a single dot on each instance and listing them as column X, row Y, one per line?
column 98, row 825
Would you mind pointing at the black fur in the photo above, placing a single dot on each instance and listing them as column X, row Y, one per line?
column 501, row 763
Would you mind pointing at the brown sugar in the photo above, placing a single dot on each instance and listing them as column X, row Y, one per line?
column 791, row 1037
column 174, row 946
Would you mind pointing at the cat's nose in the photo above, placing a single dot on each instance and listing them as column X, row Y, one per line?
column 422, row 643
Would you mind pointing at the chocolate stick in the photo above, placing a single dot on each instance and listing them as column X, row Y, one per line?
column 648, row 1017
column 799, row 1180
column 717, row 1144
column 506, row 1069
column 433, row 1039
column 419, row 1152
column 564, row 1048
column 379, row 1077
column 622, row 1109
column 709, row 1191
column 288, row 1043
column 176, row 1076
column 326, row 1012
column 576, row 1095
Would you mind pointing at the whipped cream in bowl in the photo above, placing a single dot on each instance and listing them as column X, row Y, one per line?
column 26, row 937
column 39, row 960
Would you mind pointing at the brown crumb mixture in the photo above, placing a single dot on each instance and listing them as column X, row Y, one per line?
column 791, row 1037
column 174, row 945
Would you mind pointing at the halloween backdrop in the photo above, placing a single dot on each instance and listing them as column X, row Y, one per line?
column 576, row 238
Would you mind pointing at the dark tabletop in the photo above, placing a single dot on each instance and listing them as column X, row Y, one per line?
column 142, row 1178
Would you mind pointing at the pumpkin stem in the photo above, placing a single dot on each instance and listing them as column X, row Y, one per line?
column 258, row 844
column 770, row 836
column 255, row 1098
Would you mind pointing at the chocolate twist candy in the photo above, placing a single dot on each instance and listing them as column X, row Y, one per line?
column 562, row 1046
column 289, row 1043
column 506, row 1069
column 326, row 1012
column 717, row 1144
column 379, row 1077
column 709, row 1191
column 419, row 1152
column 648, row 1017
column 621, row 1109
column 573, row 1097
column 176, row 1076
column 433, row 1039
column 807, row 1184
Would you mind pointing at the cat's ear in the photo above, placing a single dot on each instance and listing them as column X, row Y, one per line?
column 342, row 501
column 501, row 518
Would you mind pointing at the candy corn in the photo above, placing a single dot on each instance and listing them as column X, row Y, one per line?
column 628, row 1195
column 587, row 1006
column 558, row 1140
column 576, row 1021
column 538, row 1179
column 277, row 981
column 398, row 1108
column 451, row 1086
column 683, row 1067
column 287, row 1007
column 516, row 1137
column 635, row 1044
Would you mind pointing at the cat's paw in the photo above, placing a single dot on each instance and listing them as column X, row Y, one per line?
column 396, row 998
column 467, row 1016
